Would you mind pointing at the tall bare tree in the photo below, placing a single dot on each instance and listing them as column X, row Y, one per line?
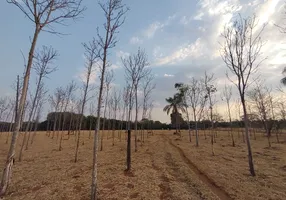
column 114, row 106
column 43, row 14
column 241, row 54
column 108, row 79
column 91, row 56
column 16, row 106
column 148, row 86
column 71, row 87
column 136, row 68
column 43, row 66
column 114, row 13
column 210, row 90
column 39, row 102
column 91, row 114
column 55, row 102
column 226, row 95
column 262, row 102
column 197, row 99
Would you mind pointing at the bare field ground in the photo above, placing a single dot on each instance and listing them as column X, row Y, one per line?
column 165, row 167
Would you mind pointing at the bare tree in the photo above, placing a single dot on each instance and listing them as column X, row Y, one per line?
column 150, row 106
column 135, row 70
column 91, row 56
column 262, row 102
column 71, row 87
column 16, row 105
column 43, row 14
column 109, row 106
column 196, row 97
column 55, row 102
column 43, row 66
column 9, row 110
column 241, row 53
column 147, row 86
column 40, row 103
column 91, row 114
column 210, row 90
column 108, row 79
column 114, row 106
column 226, row 95
column 130, row 101
column 11, row 121
column 114, row 11
column 3, row 106
column 125, row 98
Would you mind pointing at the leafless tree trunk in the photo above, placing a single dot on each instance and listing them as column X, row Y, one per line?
column 91, row 111
column 114, row 12
column 10, row 107
column 55, row 102
column 40, row 101
column 114, row 107
column 69, row 91
column 91, row 56
column 197, row 100
column 43, row 14
column 3, row 106
column 148, row 86
column 16, row 106
column 42, row 66
column 226, row 95
column 210, row 90
column 108, row 79
column 241, row 51
column 135, row 70
column 38, row 116
column 262, row 101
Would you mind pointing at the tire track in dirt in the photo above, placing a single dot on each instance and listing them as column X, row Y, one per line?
column 165, row 188
column 174, row 180
column 218, row 191
column 182, row 176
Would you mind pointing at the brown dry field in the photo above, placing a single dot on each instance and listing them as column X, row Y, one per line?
column 166, row 166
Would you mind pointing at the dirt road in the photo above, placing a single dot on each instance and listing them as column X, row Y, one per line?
column 180, row 178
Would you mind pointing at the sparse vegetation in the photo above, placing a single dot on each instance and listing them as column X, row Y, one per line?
column 114, row 106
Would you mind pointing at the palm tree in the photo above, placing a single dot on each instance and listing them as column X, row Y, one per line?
column 175, row 104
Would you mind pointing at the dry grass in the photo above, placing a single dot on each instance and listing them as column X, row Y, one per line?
column 165, row 167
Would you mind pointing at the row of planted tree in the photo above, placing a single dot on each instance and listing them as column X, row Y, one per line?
column 46, row 16
column 240, row 52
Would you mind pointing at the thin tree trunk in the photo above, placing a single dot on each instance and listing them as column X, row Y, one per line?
column 277, row 136
column 136, row 116
column 89, row 128
column 250, row 159
column 128, row 158
column 7, row 171
column 31, row 114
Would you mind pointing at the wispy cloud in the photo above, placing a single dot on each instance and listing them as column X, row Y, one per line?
column 194, row 50
column 156, row 26
column 122, row 54
column 135, row 40
column 168, row 75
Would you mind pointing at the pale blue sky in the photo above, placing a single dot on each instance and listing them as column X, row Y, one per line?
column 181, row 38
